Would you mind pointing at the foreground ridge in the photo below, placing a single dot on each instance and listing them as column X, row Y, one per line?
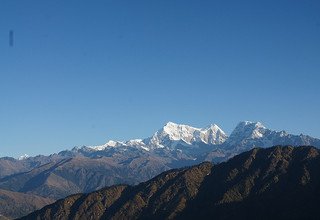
column 273, row 183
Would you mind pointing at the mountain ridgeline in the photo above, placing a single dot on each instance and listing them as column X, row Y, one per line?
column 92, row 167
column 273, row 183
column 89, row 168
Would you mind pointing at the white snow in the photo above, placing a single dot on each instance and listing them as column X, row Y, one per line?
column 145, row 148
column 110, row 143
column 172, row 134
column 23, row 157
column 182, row 137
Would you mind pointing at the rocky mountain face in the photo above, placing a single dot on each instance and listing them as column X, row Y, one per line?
column 272, row 183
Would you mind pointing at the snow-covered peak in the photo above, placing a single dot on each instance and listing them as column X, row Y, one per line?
column 213, row 134
column 185, row 138
column 250, row 124
column 255, row 129
column 134, row 142
column 248, row 134
column 23, row 157
column 110, row 143
column 177, row 132
column 172, row 133
column 246, row 130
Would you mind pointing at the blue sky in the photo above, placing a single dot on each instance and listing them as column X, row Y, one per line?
column 83, row 72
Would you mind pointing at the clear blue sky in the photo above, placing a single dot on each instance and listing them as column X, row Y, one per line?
column 83, row 72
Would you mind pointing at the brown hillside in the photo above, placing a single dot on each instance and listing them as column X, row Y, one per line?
column 273, row 183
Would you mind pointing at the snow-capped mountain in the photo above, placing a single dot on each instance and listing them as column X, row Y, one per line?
column 192, row 141
column 23, row 157
column 135, row 143
column 106, row 145
column 173, row 134
column 248, row 134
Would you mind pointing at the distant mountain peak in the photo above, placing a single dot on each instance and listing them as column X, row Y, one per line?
column 178, row 131
column 249, row 134
column 250, row 124
column 212, row 126
column 23, row 157
column 246, row 131
column 250, row 127
column 170, row 123
column 172, row 136
column 172, row 133
column 110, row 143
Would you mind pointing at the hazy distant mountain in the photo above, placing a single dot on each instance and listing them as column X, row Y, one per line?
column 82, row 174
column 10, row 166
column 15, row 204
column 273, row 183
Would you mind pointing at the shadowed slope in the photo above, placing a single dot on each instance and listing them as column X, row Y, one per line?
column 14, row 204
column 164, row 196
column 273, row 183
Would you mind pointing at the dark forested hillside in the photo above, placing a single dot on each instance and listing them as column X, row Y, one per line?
column 273, row 183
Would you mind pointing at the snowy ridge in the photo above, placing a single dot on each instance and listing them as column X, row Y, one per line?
column 110, row 143
column 246, row 130
column 248, row 134
column 170, row 136
column 23, row 157
column 182, row 137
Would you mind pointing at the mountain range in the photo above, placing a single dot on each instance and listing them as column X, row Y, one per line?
column 245, row 136
column 89, row 168
column 273, row 183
